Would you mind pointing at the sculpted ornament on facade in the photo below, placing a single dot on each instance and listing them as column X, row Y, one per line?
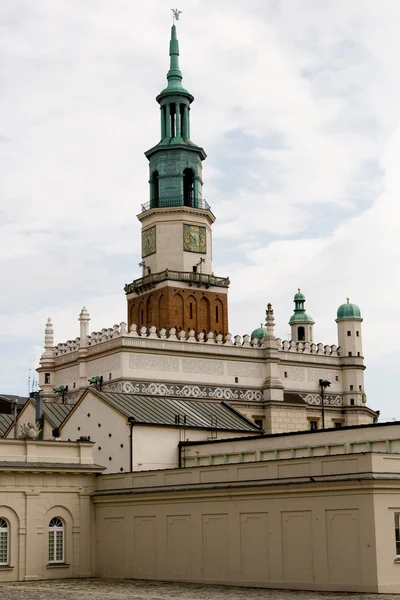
column 293, row 373
column 202, row 366
column 185, row 390
column 153, row 363
column 315, row 399
column 314, row 375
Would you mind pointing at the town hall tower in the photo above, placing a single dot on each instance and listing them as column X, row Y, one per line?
column 178, row 288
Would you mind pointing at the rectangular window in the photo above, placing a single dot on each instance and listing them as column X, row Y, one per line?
column 397, row 533
column 3, row 542
column 349, row 333
column 191, row 310
column 313, row 425
column 47, row 377
column 338, row 424
column 259, row 422
column 56, row 546
column 357, row 333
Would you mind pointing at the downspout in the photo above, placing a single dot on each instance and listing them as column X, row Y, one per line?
column 180, row 455
column 131, row 421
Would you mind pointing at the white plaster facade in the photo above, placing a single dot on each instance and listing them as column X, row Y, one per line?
column 258, row 377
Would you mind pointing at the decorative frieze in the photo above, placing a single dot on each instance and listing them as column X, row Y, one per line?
column 202, row 366
column 181, row 390
column 103, row 365
column 314, row 375
column 292, row 373
column 153, row 362
column 315, row 399
column 245, row 369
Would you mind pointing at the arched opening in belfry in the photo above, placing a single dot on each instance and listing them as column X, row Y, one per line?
column 183, row 121
column 172, row 117
column 301, row 334
column 188, row 187
column 155, row 192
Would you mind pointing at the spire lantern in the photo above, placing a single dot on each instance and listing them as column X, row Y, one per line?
column 300, row 322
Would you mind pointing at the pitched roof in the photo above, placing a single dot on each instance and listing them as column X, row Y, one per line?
column 53, row 412
column 5, row 422
column 20, row 400
column 150, row 410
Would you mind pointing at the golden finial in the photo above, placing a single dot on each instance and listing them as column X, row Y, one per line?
column 298, row 289
column 348, row 300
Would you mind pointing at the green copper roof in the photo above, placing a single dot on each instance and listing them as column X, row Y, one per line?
column 299, row 296
column 300, row 315
column 348, row 311
column 259, row 333
column 174, row 74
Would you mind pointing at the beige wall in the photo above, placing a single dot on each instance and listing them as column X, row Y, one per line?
column 267, row 525
column 158, row 447
column 30, row 496
column 339, row 441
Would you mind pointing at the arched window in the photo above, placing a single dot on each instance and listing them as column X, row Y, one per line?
column 188, row 187
column 301, row 334
column 155, row 190
column 56, row 540
column 4, row 542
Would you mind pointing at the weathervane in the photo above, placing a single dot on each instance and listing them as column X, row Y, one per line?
column 175, row 14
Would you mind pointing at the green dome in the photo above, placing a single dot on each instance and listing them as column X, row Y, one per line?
column 299, row 296
column 259, row 333
column 301, row 317
column 348, row 311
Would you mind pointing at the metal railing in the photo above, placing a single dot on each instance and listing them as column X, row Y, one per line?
column 185, row 276
column 168, row 201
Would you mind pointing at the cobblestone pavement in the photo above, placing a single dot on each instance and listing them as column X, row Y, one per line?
column 96, row 589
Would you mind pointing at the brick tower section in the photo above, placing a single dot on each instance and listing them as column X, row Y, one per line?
column 182, row 308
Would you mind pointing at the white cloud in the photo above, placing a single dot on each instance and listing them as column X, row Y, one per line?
column 297, row 108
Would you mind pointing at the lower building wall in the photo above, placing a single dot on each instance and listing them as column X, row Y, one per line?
column 300, row 537
column 28, row 501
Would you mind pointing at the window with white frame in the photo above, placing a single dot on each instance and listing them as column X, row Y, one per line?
column 397, row 533
column 4, row 542
column 56, row 541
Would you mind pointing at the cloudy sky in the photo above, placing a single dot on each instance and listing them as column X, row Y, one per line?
column 297, row 106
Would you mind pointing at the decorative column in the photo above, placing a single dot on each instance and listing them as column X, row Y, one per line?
column 273, row 388
column 162, row 122
column 185, row 122
column 177, row 120
column 33, row 558
column 270, row 321
column 47, row 363
column 188, row 123
column 168, row 120
column 84, row 319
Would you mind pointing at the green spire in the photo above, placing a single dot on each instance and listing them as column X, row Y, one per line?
column 174, row 74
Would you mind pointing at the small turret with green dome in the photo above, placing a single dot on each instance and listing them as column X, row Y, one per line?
column 301, row 323
column 348, row 311
column 259, row 333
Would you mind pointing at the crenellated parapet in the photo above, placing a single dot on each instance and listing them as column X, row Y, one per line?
column 307, row 347
column 172, row 335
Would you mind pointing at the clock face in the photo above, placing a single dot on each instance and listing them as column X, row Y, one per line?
column 194, row 239
column 148, row 241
